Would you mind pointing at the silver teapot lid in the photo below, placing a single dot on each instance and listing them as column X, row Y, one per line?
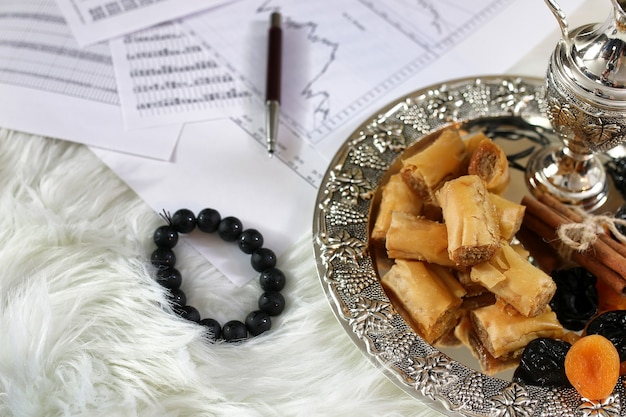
column 593, row 57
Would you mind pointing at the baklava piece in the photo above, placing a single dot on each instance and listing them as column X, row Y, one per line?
column 423, row 297
column 510, row 216
column 417, row 238
column 489, row 162
column 395, row 196
column 505, row 333
column 470, row 218
column 442, row 160
column 514, row 280
column 489, row 365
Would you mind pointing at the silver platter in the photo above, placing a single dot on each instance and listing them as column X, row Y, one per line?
column 508, row 109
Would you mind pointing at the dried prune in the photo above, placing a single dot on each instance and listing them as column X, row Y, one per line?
column 576, row 298
column 611, row 325
column 543, row 363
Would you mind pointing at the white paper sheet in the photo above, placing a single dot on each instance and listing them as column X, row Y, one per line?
column 52, row 87
column 216, row 165
column 166, row 75
column 96, row 124
column 93, row 21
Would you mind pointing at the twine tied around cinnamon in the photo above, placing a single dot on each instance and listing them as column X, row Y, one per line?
column 546, row 215
column 580, row 236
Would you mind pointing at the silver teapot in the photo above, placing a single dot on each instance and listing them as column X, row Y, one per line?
column 586, row 105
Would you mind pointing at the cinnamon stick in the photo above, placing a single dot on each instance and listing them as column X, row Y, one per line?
column 600, row 249
column 561, row 208
column 594, row 265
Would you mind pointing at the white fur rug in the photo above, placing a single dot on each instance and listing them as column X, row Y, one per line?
column 84, row 329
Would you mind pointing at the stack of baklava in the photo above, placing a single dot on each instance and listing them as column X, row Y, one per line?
column 457, row 273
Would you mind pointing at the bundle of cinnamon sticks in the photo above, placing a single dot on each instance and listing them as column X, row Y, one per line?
column 606, row 258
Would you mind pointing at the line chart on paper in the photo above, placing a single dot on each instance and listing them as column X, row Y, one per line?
column 340, row 56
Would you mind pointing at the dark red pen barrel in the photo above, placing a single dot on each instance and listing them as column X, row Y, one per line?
column 274, row 58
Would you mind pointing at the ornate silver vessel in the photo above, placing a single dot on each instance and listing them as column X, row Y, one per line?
column 586, row 105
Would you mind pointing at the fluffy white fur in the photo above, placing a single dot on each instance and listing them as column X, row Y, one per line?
column 85, row 331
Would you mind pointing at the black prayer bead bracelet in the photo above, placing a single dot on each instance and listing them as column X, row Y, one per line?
column 250, row 241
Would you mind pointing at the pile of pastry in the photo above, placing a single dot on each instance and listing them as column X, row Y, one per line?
column 456, row 274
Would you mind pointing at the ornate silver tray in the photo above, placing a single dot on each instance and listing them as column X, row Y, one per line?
column 508, row 109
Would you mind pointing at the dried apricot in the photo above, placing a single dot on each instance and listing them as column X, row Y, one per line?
column 592, row 366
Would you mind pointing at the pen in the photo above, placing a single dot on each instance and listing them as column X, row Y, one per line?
column 272, row 87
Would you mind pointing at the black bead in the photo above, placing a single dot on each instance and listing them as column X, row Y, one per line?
column 272, row 302
column 169, row 277
column 163, row 257
column 208, row 219
column 214, row 330
column 258, row 322
column 234, row 331
column 165, row 236
column 184, row 220
column 190, row 313
column 263, row 259
column 178, row 297
column 229, row 229
column 250, row 240
column 272, row 279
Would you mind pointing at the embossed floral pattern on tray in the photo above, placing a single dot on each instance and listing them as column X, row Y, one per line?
column 349, row 276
